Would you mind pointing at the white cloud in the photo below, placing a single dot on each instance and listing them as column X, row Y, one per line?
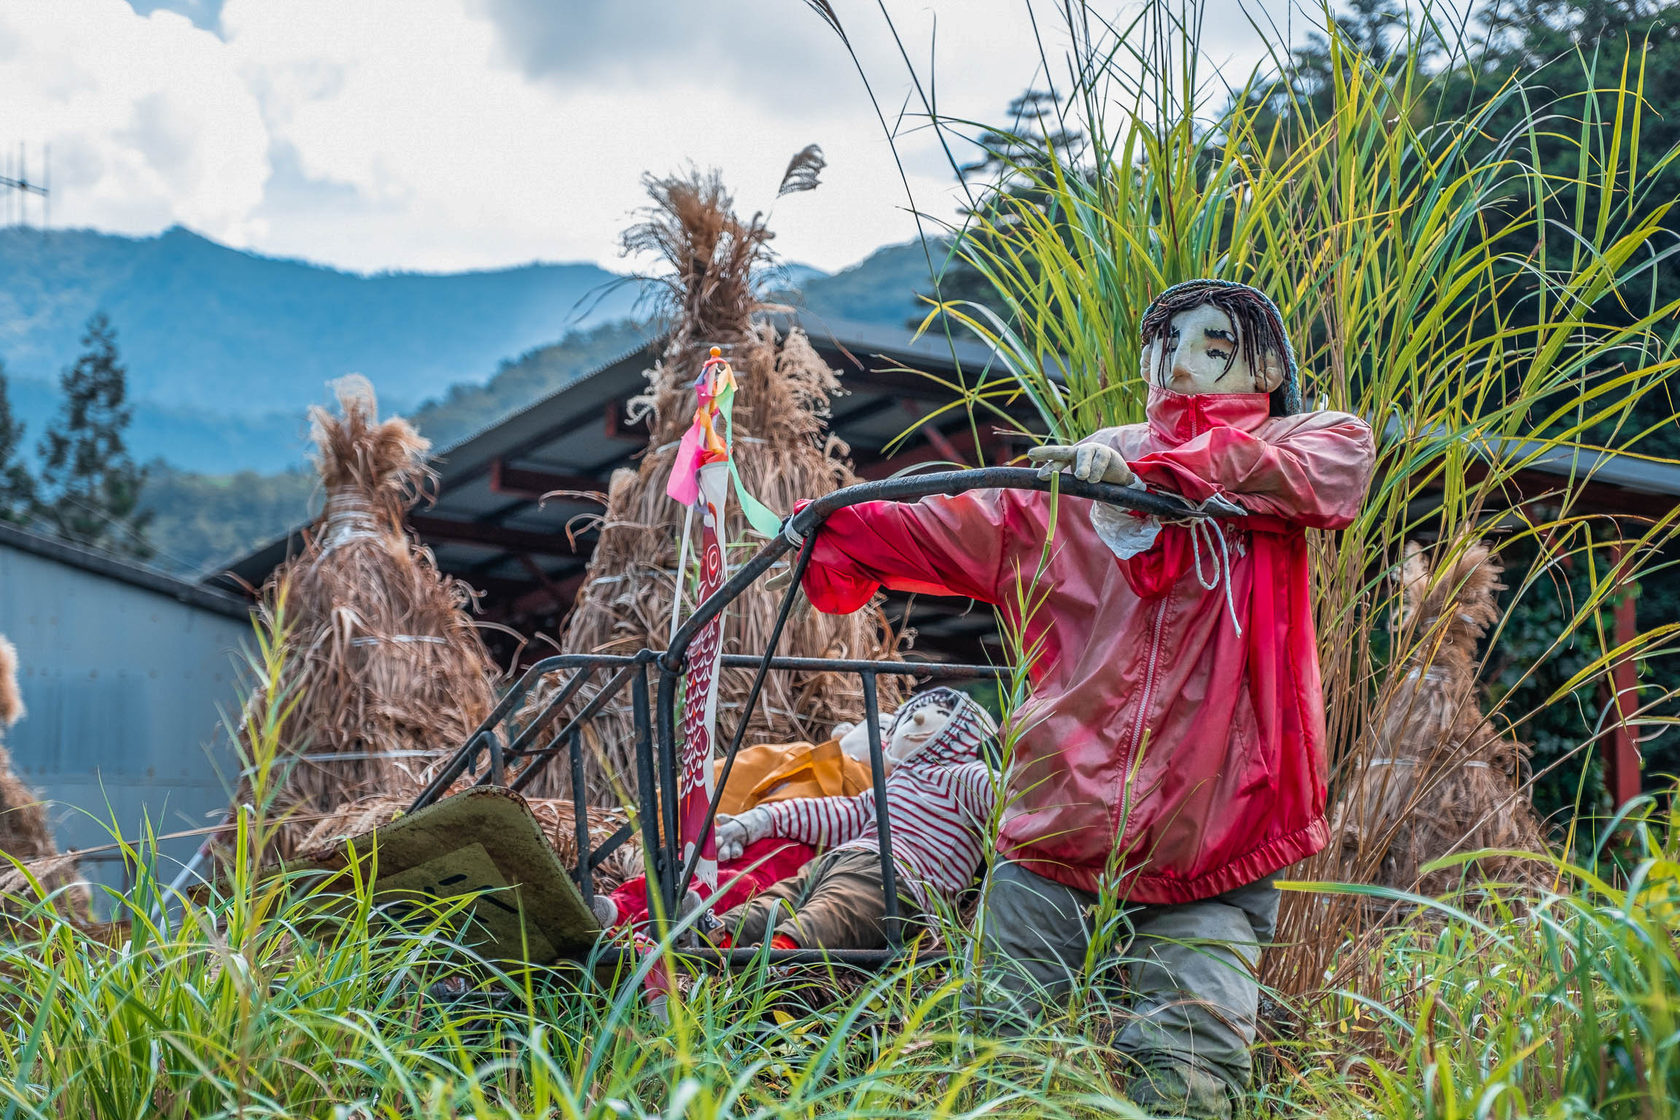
column 148, row 123
column 445, row 134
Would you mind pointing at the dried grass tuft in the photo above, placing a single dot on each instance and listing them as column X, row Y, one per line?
column 1441, row 777
column 784, row 453
column 383, row 659
column 24, row 833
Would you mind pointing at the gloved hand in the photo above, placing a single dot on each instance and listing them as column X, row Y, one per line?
column 733, row 834
column 1088, row 462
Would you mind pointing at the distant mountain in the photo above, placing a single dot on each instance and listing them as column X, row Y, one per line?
column 213, row 332
column 226, row 349
column 880, row 290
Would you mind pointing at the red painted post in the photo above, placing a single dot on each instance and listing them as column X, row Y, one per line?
column 1621, row 771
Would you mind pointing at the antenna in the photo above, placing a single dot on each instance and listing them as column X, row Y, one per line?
column 16, row 185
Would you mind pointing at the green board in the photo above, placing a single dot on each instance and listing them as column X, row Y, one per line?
column 480, row 840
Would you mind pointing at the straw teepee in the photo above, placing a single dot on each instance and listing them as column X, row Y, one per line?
column 382, row 659
column 711, row 287
column 24, row 833
column 1442, row 779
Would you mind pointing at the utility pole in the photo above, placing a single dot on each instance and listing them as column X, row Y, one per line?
column 16, row 186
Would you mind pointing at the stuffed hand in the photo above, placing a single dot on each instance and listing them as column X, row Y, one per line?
column 1088, row 462
column 733, row 834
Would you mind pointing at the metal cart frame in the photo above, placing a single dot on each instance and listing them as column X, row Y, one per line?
column 511, row 757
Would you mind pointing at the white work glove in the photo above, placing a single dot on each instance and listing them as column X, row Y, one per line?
column 733, row 834
column 1088, row 462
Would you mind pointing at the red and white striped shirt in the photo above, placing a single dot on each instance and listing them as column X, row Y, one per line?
column 939, row 806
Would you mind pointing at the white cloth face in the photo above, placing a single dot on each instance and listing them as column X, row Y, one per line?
column 1199, row 354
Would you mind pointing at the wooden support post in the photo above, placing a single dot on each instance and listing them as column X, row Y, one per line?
column 1621, row 760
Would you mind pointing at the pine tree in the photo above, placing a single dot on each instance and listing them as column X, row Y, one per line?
column 17, row 485
column 90, row 486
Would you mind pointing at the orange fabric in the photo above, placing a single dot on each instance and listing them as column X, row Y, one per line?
column 783, row 771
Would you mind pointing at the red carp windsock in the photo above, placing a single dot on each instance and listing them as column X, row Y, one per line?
column 699, row 480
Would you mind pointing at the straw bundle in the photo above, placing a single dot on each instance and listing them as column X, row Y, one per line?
column 1442, row 778
column 382, row 659
column 24, row 833
column 555, row 816
column 783, row 452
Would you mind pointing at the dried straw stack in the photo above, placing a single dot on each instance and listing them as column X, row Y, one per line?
column 783, row 452
column 24, row 833
column 1442, row 778
column 386, row 665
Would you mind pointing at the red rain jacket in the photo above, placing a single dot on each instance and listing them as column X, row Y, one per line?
column 1157, row 736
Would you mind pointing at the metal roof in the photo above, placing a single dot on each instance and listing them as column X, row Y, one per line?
column 134, row 574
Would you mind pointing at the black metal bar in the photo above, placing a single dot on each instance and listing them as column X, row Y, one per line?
column 549, row 710
column 540, row 756
column 468, row 751
column 648, row 811
column 745, row 719
column 904, row 489
column 878, row 774
column 580, row 821
column 497, row 759
column 666, row 755
column 611, row 844
column 932, row 670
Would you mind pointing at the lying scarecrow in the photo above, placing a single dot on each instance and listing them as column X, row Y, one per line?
column 1173, row 747
column 940, row 798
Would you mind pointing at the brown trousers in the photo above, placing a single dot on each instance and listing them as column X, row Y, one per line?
column 835, row 902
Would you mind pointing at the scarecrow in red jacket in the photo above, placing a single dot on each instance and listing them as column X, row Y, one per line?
column 1173, row 745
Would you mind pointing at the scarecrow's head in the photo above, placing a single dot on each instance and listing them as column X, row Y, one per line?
column 1215, row 336
column 941, row 723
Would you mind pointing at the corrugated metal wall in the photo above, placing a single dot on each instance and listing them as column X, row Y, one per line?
column 125, row 689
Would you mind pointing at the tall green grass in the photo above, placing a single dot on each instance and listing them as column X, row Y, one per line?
column 269, row 996
column 283, row 995
column 1485, row 310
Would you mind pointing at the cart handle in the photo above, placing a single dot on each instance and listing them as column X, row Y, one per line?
column 907, row 488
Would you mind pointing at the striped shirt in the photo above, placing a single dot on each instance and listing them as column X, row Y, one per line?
column 939, row 806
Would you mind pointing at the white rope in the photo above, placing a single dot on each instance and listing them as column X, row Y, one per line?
column 1222, row 562
column 349, row 518
column 376, row 639
column 362, row 756
column 1469, row 763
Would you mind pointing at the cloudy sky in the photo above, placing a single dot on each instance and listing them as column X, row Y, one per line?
column 450, row 134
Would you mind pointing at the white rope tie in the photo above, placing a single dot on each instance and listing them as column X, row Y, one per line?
column 1221, row 562
column 1469, row 763
column 362, row 756
column 349, row 518
column 1433, row 676
column 794, row 537
column 400, row 639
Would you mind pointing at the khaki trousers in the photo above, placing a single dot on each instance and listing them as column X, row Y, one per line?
column 1190, row 969
column 836, row 902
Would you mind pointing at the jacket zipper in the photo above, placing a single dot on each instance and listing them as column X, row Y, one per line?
column 1145, row 699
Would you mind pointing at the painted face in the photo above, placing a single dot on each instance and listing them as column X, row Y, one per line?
column 854, row 741
column 912, row 732
column 1198, row 354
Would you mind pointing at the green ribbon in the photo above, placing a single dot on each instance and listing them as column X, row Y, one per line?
column 759, row 516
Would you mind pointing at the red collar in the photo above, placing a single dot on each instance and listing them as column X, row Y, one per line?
column 1177, row 417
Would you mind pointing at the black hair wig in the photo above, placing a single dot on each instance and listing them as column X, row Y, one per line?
column 1257, row 319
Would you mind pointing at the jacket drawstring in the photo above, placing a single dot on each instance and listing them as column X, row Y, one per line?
column 1221, row 562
